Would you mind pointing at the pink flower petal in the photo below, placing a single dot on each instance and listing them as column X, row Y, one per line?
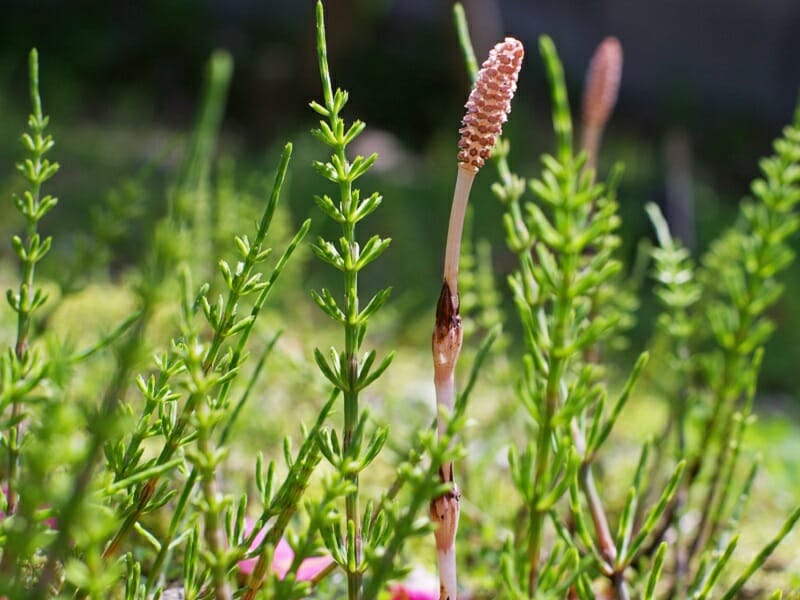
column 401, row 592
column 282, row 558
column 311, row 567
column 420, row 585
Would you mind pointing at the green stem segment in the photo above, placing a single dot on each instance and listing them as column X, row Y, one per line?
column 36, row 170
column 26, row 370
column 349, row 258
column 542, row 466
column 351, row 403
column 214, row 506
column 556, row 365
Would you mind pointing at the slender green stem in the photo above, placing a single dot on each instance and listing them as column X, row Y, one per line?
column 718, row 426
column 347, row 259
column 162, row 558
column 544, row 437
column 36, row 169
column 214, row 532
column 681, row 496
column 728, row 391
column 465, row 41
column 140, row 432
column 20, row 351
column 541, row 468
column 26, row 303
column 351, row 400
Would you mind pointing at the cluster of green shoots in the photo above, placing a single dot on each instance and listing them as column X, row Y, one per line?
column 125, row 492
column 566, row 291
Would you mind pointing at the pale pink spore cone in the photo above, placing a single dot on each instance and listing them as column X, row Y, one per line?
column 489, row 103
column 602, row 83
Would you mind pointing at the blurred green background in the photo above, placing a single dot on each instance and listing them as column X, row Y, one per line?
column 706, row 86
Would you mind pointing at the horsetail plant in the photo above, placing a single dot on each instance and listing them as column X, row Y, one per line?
column 26, row 366
column 487, row 109
column 740, row 271
column 198, row 372
column 167, row 255
column 556, row 296
column 206, row 370
column 54, row 423
column 183, row 420
column 732, row 291
column 29, row 400
column 562, row 391
column 347, row 370
column 678, row 291
column 159, row 518
column 600, row 96
column 571, row 238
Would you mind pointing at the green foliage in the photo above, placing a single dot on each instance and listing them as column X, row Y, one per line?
column 129, row 465
column 564, row 292
column 369, row 543
column 565, row 243
column 345, row 370
column 179, row 425
column 22, row 369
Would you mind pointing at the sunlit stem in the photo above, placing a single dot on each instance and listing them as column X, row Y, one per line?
column 446, row 346
column 466, row 175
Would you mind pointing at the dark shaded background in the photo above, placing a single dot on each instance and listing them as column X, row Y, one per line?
column 700, row 64
column 706, row 86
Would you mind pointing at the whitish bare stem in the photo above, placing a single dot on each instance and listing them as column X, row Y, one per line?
column 464, row 181
column 487, row 109
column 445, row 510
column 590, row 143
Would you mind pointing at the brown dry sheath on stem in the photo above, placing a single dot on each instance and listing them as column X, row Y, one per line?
column 487, row 109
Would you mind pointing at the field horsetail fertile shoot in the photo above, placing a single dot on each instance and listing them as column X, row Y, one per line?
column 487, row 109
